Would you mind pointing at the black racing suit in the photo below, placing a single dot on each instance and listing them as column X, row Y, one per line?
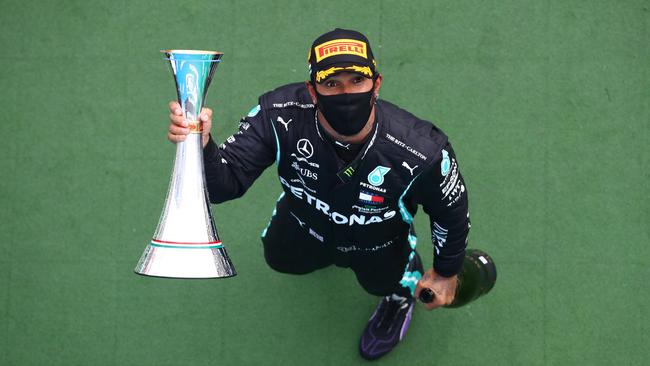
column 357, row 214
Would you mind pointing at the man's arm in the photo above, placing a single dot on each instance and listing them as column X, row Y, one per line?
column 443, row 195
column 231, row 168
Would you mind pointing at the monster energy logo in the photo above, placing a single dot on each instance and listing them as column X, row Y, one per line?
column 349, row 171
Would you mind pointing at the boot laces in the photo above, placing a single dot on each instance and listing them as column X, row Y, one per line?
column 389, row 310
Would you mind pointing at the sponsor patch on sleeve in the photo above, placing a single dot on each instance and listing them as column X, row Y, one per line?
column 445, row 165
column 254, row 111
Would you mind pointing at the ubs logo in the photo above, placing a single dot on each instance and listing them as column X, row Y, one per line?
column 304, row 171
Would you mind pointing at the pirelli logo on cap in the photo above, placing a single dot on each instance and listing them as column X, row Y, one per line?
column 341, row 47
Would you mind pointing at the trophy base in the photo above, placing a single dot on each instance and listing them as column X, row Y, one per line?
column 164, row 259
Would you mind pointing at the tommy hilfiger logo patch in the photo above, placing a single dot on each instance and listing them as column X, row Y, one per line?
column 371, row 199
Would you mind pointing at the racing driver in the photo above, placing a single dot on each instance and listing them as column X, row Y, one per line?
column 353, row 169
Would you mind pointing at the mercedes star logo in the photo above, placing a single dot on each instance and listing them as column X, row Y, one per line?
column 305, row 148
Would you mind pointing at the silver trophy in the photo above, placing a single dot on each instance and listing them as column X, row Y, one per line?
column 186, row 243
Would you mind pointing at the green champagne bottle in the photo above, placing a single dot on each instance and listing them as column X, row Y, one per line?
column 476, row 278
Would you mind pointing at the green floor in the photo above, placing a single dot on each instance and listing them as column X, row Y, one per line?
column 546, row 102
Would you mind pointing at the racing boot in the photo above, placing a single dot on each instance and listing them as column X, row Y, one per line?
column 386, row 327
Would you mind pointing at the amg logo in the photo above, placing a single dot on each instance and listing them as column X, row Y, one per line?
column 315, row 234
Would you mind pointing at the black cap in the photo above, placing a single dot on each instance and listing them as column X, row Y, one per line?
column 340, row 50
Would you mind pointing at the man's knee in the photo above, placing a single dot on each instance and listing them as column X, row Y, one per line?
column 286, row 265
column 385, row 277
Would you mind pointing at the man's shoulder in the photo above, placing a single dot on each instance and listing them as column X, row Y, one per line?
column 402, row 127
column 294, row 95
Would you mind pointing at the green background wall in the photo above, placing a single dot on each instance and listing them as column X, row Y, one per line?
column 546, row 103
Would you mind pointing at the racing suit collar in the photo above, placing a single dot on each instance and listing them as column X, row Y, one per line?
column 348, row 170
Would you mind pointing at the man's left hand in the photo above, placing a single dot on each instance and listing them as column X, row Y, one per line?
column 444, row 288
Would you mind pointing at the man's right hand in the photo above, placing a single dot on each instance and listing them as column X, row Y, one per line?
column 178, row 128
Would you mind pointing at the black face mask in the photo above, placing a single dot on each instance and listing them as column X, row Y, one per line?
column 346, row 113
